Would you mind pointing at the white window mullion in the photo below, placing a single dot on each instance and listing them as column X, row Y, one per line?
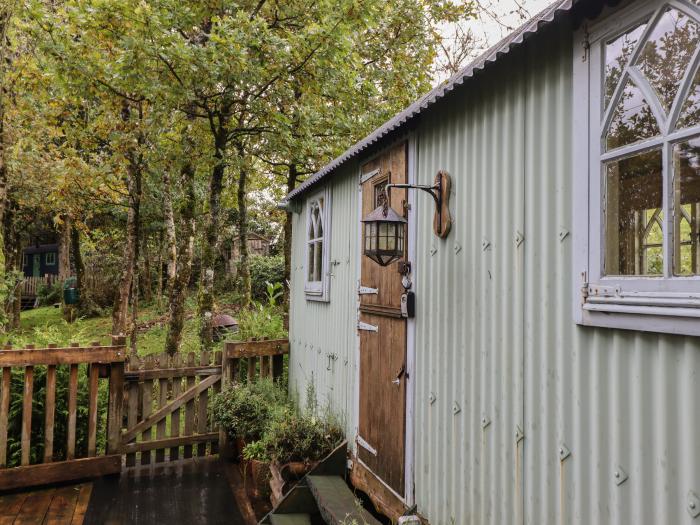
column 668, row 210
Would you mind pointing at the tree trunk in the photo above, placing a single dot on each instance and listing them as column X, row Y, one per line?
column 170, row 235
column 209, row 250
column 147, row 279
column 244, row 259
column 183, row 272
column 64, row 240
column 120, row 314
column 77, row 257
column 292, row 175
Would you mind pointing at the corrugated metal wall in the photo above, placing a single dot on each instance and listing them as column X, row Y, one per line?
column 496, row 344
column 319, row 330
column 514, row 380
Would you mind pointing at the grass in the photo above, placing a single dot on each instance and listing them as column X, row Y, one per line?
column 43, row 326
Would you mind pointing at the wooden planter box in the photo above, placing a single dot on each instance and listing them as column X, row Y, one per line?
column 284, row 477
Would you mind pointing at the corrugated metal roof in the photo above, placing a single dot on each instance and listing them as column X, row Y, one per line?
column 491, row 55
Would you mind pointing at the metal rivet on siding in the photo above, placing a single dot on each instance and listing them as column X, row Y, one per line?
column 564, row 452
column 433, row 250
column 485, row 244
column 485, row 422
column 620, row 475
column 519, row 436
column 563, row 234
column 519, row 238
column 432, row 397
column 693, row 504
column 458, row 248
column 456, row 409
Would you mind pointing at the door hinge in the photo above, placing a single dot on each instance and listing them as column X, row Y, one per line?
column 368, row 327
column 366, row 290
column 369, row 448
column 597, row 290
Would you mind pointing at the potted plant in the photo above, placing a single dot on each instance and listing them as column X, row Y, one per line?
column 244, row 411
column 256, row 458
column 295, row 444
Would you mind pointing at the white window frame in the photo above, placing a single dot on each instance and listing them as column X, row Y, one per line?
column 668, row 304
column 318, row 290
column 52, row 261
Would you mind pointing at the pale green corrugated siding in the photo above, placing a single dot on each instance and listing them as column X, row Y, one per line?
column 495, row 332
column 495, row 340
column 318, row 329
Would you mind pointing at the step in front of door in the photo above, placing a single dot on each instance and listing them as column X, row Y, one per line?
column 290, row 519
column 337, row 503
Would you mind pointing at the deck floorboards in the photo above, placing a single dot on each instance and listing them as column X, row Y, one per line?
column 63, row 505
column 193, row 491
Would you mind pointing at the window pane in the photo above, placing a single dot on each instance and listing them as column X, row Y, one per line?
column 632, row 119
column 690, row 113
column 617, row 54
column 633, row 202
column 667, row 53
column 318, row 264
column 686, row 194
column 310, row 263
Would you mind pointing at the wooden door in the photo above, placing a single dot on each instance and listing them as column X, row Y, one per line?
column 382, row 418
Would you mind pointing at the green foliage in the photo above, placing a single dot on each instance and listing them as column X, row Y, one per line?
column 274, row 293
column 49, row 295
column 301, row 437
column 265, row 270
column 245, row 410
column 61, row 414
column 260, row 322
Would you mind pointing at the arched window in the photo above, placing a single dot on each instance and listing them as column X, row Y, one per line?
column 317, row 249
column 642, row 80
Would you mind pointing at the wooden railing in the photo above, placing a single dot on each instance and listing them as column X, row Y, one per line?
column 97, row 362
column 31, row 285
column 158, row 408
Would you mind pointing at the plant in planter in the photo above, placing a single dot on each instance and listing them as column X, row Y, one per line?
column 296, row 443
column 255, row 455
column 245, row 411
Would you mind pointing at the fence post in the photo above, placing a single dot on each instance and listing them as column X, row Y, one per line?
column 225, row 448
column 116, row 401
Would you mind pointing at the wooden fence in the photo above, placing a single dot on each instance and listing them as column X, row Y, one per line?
column 31, row 285
column 158, row 407
column 99, row 362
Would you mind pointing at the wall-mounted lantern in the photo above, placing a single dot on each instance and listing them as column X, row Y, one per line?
column 384, row 228
column 384, row 233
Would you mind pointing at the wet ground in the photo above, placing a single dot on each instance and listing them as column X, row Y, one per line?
column 189, row 492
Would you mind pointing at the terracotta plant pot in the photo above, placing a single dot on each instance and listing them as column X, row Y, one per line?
column 259, row 475
column 284, row 477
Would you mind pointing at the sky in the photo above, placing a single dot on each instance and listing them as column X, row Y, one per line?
column 496, row 20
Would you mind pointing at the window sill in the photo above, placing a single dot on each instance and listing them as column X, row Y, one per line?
column 658, row 319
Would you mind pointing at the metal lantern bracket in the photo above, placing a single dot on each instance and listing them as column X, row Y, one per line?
column 440, row 192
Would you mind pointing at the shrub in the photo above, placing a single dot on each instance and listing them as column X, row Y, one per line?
column 50, row 295
column 245, row 411
column 260, row 322
column 263, row 270
column 293, row 437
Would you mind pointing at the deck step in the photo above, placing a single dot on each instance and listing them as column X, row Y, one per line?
column 337, row 503
column 290, row 519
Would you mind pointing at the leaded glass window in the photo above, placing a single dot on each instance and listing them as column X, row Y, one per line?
column 650, row 136
column 317, row 237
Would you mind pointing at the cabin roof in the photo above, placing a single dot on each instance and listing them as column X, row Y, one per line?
column 547, row 16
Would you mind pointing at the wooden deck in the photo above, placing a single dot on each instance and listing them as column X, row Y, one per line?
column 64, row 505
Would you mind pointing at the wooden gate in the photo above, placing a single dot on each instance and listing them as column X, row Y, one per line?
column 167, row 400
column 167, row 407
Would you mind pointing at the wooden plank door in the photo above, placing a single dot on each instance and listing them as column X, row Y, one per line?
column 382, row 419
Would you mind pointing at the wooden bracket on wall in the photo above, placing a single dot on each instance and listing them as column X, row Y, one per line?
column 442, row 220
